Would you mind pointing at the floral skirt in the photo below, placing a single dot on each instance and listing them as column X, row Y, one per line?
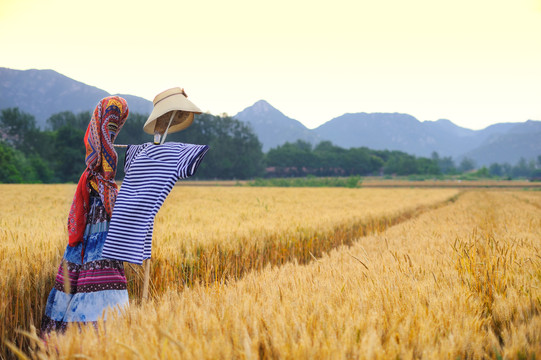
column 86, row 285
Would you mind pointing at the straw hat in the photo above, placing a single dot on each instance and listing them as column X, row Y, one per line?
column 164, row 104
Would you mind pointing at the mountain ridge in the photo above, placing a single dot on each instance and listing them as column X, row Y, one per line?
column 403, row 132
column 45, row 92
column 273, row 127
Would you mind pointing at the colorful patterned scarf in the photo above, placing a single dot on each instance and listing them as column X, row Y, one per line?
column 107, row 120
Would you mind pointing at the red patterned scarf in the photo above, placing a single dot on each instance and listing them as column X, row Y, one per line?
column 107, row 120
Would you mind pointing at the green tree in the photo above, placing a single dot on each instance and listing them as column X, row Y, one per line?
column 328, row 159
column 18, row 129
column 292, row 159
column 235, row 151
column 10, row 169
column 17, row 168
column 33, row 148
column 445, row 164
column 400, row 163
column 67, row 118
column 495, row 169
column 131, row 133
column 483, row 172
column 523, row 168
column 466, row 165
column 359, row 161
column 427, row 166
column 507, row 170
column 69, row 159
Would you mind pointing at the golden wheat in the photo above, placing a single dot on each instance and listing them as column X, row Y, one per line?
column 461, row 281
column 202, row 235
column 530, row 197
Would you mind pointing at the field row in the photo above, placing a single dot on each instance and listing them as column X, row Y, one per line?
column 202, row 235
column 460, row 281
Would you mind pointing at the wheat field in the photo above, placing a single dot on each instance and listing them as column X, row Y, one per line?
column 298, row 273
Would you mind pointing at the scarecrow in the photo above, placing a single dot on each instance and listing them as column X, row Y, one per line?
column 106, row 226
column 152, row 170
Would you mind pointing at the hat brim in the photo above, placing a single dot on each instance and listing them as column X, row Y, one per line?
column 162, row 111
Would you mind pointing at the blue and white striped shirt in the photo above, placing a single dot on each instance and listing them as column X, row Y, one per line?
column 151, row 172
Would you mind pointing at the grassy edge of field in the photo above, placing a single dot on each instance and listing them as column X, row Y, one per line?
column 374, row 182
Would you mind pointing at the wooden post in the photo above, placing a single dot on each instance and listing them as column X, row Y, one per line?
column 160, row 131
column 146, row 280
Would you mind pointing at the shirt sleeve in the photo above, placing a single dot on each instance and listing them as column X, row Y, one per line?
column 190, row 158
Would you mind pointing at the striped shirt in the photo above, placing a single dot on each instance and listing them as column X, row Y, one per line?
column 151, row 172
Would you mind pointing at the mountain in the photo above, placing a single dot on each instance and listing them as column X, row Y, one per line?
column 504, row 142
column 495, row 129
column 394, row 131
column 46, row 92
column 521, row 140
column 446, row 126
column 274, row 128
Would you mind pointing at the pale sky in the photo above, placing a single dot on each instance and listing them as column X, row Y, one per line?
column 474, row 62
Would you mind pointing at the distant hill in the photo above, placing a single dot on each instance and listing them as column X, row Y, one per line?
column 45, row 92
column 520, row 140
column 394, row 131
column 274, row 128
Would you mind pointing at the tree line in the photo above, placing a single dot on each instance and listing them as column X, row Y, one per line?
column 325, row 159
column 56, row 154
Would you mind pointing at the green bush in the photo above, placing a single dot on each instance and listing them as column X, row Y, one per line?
column 309, row 181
